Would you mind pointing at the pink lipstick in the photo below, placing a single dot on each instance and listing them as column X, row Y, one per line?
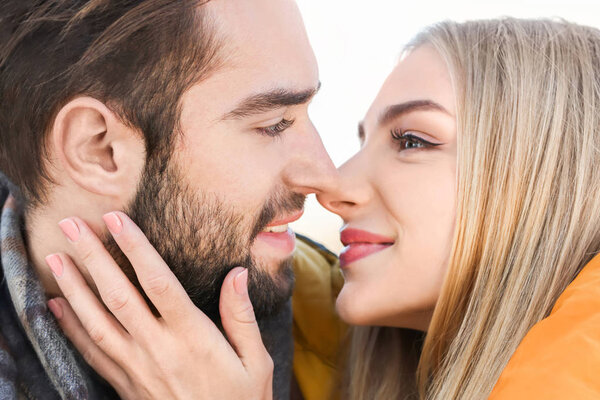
column 360, row 244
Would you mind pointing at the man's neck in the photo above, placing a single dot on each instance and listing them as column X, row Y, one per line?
column 42, row 238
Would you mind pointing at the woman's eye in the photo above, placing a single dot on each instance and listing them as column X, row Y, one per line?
column 276, row 129
column 408, row 140
column 410, row 143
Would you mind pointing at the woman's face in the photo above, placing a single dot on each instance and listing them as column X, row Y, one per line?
column 397, row 198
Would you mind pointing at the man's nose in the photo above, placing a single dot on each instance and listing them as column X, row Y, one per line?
column 310, row 169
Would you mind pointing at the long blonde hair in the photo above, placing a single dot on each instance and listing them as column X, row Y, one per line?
column 528, row 206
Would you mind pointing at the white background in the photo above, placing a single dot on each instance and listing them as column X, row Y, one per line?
column 357, row 43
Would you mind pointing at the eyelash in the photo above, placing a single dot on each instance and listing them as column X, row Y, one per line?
column 402, row 138
column 276, row 129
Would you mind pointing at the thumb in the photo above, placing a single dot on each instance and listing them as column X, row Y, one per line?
column 237, row 317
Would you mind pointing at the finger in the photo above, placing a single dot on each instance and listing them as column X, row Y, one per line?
column 92, row 354
column 156, row 278
column 116, row 291
column 239, row 321
column 100, row 326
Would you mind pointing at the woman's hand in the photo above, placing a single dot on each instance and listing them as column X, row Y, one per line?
column 181, row 355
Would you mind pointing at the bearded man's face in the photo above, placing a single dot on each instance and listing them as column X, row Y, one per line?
column 245, row 156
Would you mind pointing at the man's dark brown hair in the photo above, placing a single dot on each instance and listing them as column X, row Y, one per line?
column 137, row 57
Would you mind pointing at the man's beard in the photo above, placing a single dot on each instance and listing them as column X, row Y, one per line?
column 201, row 239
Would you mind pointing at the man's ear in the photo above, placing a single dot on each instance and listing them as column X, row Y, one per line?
column 97, row 151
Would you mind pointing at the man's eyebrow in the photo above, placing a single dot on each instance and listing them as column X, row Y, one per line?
column 393, row 112
column 271, row 100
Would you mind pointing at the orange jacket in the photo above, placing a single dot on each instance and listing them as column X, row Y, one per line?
column 559, row 358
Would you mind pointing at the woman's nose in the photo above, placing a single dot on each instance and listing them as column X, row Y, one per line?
column 351, row 192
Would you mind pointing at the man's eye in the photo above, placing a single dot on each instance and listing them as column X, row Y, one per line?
column 276, row 129
column 408, row 140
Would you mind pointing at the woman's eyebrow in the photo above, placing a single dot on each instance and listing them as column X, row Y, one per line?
column 396, row 110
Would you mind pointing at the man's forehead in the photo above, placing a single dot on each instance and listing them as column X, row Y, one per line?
column 266, row 54
column 262, row 34
column 237, row 16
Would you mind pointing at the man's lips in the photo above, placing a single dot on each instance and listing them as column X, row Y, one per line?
column 360, row 244
column 286, row 220
column 279, row 236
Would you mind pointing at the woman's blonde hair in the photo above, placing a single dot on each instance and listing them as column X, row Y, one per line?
column 528, row 206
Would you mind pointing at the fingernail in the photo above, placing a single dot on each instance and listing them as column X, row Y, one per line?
column 55, row 308
column 113, row 222
column 70, row 229
column 55, row 264
column 240, row 282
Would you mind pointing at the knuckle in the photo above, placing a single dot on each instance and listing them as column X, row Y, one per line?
column 89, row 356
column 268, row 364
column 116, row 299
column 246, row 315
column 97, row 336
column 208, row 351
column 87, row 254
column 158, row 284
column 129, row 243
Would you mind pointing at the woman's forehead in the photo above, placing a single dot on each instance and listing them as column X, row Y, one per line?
column 421, row 76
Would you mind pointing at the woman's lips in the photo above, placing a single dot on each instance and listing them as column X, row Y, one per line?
column 360, row 244
column 355, row 252
column 352, row 235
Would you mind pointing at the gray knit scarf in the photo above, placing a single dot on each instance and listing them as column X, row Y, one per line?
column 36, row 360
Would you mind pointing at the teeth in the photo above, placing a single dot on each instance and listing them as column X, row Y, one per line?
column 276, row 229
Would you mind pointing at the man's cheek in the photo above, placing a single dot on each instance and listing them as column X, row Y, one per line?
column 250, row 193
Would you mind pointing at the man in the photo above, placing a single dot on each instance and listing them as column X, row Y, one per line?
column 190, row 116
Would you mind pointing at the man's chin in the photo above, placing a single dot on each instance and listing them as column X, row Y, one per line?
column 270, row 286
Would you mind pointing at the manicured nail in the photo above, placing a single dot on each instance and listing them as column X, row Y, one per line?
column 69, row 228
column 55, row 264
column 55, row 308
column 113, row 222
column 240, row 282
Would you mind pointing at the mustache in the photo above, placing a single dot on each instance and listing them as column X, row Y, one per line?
column 280, row 203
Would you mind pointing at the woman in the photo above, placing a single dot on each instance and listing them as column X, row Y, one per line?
column 499, row 187
column 472, row 205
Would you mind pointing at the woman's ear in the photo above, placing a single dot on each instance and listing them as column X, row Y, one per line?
column 95, row 149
